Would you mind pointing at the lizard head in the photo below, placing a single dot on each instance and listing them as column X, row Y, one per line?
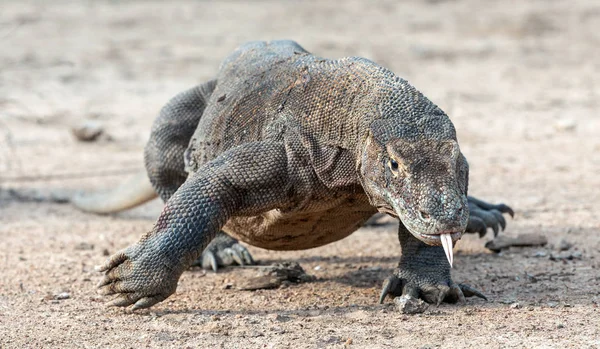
column 421, row 179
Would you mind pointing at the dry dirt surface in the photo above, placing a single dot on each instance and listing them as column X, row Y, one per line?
column 521, row 81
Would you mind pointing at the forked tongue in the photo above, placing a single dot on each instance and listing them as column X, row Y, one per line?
column 447, row 243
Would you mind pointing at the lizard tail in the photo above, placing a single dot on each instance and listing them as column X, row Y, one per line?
column 131, row 193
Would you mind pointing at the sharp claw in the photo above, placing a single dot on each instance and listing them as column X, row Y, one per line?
column 500, row 218
column 506, row 209
column 469, row 291
column 389, row 285
column 147, row 302
column 105, row 281
column 247, row 257
column 441, row 296
column 122, row 301
column 385, row 289
column 209, row 260
column 459, row 293
column 112, row 262
column 236, row 256
column 244, row 253
column 447, row 244
column 482, row 230
column 495, row 229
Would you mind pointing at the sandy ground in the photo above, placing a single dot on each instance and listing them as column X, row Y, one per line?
column 521, row 81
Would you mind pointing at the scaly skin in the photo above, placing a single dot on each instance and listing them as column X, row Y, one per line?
column 294, row 151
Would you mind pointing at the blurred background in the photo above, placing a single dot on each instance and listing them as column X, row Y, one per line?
column 506, row 72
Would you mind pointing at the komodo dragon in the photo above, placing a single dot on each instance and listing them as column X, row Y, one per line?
column 287, row 151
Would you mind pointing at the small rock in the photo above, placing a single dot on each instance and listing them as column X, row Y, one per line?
column 566, row 256
column 409, row 305
column 88, row 131
column 564, row 245
column 279, row 318
column 540, row 254
column 552, row 304
column 503, row 241
column 84, row 246
column 62, row 295
column 565, row 125
column 318, row 267
column 560, row 326
column 273, row 276
column 515, row 305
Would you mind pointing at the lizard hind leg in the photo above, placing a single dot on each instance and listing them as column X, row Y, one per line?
column 165, row 164
column 223, row 251
column 170, row 136
column 483, row 215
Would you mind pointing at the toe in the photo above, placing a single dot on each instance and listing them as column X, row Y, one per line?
column 235, row 255
column 147, row 302
column 443, row 292
column 505, row 209
column 245, row 254
column 123, row 300
column 391, row 286
column 476, row 225
column 113, row 261
column 469, row 291
column 499, row 218
column 456, row 294
column 113, row 288
column 488, row 218
column 209, row 261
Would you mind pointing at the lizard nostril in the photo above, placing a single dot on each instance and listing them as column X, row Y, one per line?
column 424, row 215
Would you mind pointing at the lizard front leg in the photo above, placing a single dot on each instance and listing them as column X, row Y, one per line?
column 245, row 180
column 424, row 272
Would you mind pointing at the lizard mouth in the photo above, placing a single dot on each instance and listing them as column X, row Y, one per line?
column 436, row 239
column 446, row 239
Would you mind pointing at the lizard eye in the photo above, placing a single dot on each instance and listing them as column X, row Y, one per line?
column 394, row 164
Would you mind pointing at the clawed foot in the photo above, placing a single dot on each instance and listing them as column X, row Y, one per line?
column 444, row 291
column 484, row 215
column 138, row 276
column 223, row 251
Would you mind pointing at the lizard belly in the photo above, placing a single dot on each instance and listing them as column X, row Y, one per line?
column 275, row 230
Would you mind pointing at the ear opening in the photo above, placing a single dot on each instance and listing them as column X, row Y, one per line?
column 449, row 147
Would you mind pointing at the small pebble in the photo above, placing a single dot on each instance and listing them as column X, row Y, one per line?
column 409, row 305
column 88, row 131
column 515, row 306
column 62, row 295
column 278, row 317
column 565, row 125
column 564, row 245
column 84, row 246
